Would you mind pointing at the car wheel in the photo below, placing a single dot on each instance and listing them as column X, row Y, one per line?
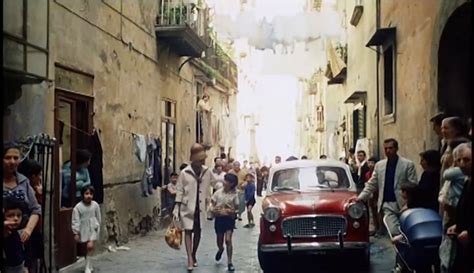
column 268, row 261
column 363, row 258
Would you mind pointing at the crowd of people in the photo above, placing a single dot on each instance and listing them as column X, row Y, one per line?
column 391, row 186
column 23, row 206
column 224, row 192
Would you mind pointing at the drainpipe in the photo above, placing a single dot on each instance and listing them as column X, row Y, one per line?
column 377, row 78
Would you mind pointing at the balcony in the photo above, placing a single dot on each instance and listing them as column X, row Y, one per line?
column 220, row 66
column 181, row 25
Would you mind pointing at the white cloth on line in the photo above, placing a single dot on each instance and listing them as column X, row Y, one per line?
column 139, row 144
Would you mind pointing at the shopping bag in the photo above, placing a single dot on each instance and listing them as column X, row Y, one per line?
column 174, row 236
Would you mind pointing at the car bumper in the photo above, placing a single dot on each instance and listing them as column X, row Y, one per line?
column 314, row 246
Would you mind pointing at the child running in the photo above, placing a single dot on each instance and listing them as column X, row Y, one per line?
column 225, row 203
column 13, row 248
column 86, row 223
column 249, row 198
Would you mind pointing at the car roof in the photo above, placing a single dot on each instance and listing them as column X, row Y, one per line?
column 308, row 163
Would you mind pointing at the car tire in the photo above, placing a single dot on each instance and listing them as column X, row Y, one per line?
column 362, row 258
column 268, row 261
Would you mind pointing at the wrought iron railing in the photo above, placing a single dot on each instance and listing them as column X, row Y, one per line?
column 218, row 59
column 180, row 13
column 41, row 148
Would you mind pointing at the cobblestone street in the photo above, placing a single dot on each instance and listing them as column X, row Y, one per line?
column 152, row 254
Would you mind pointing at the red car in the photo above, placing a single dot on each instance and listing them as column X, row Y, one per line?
column 310, row 208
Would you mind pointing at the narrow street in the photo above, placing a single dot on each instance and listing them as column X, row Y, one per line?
column 152, row 254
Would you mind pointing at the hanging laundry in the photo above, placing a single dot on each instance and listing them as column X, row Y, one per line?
column 151, row 178
column 157, row 175
column 95, row 167
column 139, row 144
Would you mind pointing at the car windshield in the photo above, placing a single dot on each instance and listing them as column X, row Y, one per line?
column 310, row 178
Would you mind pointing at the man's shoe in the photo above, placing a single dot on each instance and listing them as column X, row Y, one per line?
column 231, row 267
column 247, row 226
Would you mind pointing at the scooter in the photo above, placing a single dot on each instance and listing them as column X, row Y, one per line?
column 418, row 250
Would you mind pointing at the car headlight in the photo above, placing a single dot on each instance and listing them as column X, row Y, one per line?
column 271, row 214
column 356, row 210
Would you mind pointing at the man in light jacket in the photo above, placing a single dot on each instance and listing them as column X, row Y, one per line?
column 389, row 174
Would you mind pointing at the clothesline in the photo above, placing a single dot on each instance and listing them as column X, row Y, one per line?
column 74, row 127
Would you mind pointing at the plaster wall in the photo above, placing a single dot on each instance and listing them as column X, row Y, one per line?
column 131, row 76
column 417, row 41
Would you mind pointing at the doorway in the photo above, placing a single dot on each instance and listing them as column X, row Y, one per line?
column 454, row 66
column 72, row 126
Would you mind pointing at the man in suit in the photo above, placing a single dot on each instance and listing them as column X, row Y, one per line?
column 386, row 179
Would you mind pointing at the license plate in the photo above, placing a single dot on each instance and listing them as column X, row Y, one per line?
column 318, row 252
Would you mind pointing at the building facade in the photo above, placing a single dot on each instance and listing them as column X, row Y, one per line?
column 399, row 73
column 126, row 71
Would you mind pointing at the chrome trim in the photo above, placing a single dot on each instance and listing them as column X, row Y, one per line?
column 282, row 247
column 314, row 216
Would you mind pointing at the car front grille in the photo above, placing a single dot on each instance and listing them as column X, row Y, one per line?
column 313, row 226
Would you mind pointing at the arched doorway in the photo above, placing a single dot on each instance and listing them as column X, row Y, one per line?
column 454, row 66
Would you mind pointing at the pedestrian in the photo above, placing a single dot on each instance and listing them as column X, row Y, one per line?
column 463, row 228
column 449, row 177
column 12, row 245
column 429, row 181
column 193, row 191
column 449, row 198
column 451, row 128
column 436, row 120
column 387, row 177
column 249, row 198
column 219, row 174
column 362, row 169
column 376, row 217
column 16, row 184
column 34, row 247
column 171, row 191
column 85, row 223
column 277, row 159
column 352, row 162
column 225, row 203
column 241, row 174
column 83, row 159
column 265, row 172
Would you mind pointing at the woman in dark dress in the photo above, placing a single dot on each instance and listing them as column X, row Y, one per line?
column 428, row 186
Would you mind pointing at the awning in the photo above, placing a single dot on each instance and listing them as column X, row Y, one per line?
column 356, row 97
column 381, row 35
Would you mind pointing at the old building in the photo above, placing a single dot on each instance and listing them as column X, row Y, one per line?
column 399, row 72
column 388, row 75
column 126, row 71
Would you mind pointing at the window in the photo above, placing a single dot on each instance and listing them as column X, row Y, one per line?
column 25, row 32
column 359, row 124
column 319, row 118
column 310, row 178
column 389, row 81
column 168, row 138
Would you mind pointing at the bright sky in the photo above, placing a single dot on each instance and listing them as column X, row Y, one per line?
column 273, row 99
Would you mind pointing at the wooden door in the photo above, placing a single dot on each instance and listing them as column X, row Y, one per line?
column 64, row 238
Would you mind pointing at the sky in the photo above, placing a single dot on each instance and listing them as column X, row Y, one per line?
column 281, row 44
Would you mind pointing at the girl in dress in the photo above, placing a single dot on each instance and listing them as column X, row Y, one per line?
column 86, row 223
column 225, row 203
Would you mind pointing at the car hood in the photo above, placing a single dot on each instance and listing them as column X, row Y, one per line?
column 296, row 203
